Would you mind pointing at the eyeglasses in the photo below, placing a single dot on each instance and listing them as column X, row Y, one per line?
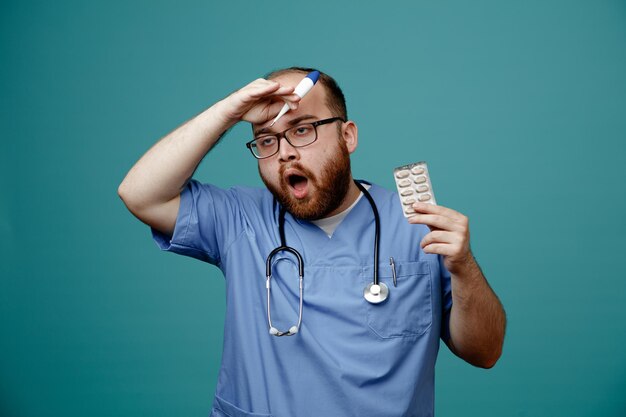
column 298, row 136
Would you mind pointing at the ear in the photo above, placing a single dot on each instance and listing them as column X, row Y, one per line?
column 350, row 134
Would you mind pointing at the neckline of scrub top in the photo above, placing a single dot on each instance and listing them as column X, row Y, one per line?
column 330, row 224
column 313, row 242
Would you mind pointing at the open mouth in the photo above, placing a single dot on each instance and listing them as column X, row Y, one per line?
column 298, row 184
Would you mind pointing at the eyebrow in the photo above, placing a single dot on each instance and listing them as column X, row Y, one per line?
column 292, row 122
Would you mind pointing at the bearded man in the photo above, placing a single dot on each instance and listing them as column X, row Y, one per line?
column 344, row 356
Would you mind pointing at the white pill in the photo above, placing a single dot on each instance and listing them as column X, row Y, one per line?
column 402, row 174
column 413, row 184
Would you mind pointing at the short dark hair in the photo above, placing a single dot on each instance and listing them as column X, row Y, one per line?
column 335, row 99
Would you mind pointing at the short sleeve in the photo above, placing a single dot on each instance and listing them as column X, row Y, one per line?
column 446, row 299
column 198, row 233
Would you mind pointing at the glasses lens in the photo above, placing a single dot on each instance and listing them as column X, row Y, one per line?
column 264, row 146
column 301, row 135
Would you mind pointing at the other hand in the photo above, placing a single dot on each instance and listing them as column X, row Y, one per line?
column 449, row 235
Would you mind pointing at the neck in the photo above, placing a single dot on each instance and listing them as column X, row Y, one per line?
column 350, row 197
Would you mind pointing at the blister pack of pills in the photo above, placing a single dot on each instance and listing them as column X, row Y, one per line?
column 413, row 183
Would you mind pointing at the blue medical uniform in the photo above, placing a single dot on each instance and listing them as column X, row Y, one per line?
column 350, row 358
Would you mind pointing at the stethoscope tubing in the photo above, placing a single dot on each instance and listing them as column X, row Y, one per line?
column 268, row 275
column 377, row 230
column 268, row 263
column 283, row 247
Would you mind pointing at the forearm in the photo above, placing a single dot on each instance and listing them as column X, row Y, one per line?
column 477, row 321
column 161, row 173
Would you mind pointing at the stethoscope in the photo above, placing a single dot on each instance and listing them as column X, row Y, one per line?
column 375, row 292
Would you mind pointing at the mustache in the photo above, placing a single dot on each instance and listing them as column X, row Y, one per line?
column 296, row 165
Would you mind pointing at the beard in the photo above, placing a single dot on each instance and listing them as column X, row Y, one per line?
column 327, row 192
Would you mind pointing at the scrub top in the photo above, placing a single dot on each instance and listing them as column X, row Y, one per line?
column 350, row 357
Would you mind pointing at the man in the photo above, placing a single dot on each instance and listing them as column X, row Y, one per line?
column 348, row 357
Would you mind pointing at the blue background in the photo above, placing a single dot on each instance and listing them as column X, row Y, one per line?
column 518, row 107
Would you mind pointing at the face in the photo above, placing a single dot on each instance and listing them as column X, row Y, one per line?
column 312, row 181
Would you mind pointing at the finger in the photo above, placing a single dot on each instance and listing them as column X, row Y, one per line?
column 285, row 91
column 273, row 102
column 289, row 98
column 439, row 237
column 275, row 86
column 274, row 108
column 436, row 221
column 265, row 88
column 444, row 249
column 259, row 90
column 261, row 82
column 435, row 209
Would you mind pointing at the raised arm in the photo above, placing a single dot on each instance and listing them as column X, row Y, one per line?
column 151, row 189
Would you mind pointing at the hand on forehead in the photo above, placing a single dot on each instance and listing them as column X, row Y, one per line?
column 313, row 106
column 313, row 103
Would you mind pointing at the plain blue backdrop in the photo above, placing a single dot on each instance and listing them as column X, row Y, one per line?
column 518, row 107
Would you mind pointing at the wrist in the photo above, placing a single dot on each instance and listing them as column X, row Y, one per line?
column 467, row 281
column 220, row 113
column 464, row 266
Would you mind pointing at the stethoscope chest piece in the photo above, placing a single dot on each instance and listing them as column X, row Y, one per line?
column 376, row 294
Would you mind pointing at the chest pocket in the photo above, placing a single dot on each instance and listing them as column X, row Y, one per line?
column 408, row 311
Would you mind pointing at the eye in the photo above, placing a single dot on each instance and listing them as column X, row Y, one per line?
column 266, row 141
column 303, row 130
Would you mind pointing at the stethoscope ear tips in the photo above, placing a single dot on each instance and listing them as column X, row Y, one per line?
column 275, row 332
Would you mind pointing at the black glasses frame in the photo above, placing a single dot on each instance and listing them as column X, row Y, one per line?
column 281, row 135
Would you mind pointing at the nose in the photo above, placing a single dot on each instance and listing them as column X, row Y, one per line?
column 286, row 152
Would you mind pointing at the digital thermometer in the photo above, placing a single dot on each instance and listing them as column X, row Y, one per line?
column 301, row 90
